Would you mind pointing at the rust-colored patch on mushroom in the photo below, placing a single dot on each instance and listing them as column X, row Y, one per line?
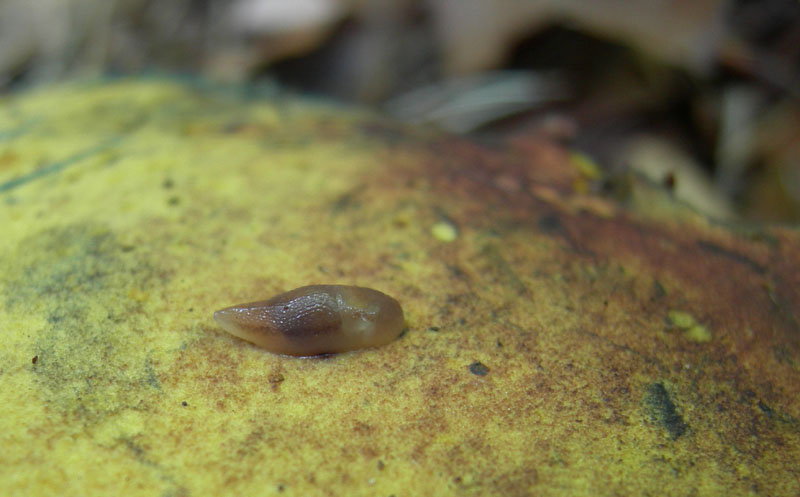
column 627, row 271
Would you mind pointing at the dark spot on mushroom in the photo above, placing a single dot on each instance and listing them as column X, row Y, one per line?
column 35, row 359
column 663, row 411
column 658, row 290
column 275, row 378
column 550, row 224
column 433, row 328
column 766, row 409
column 168, row 183
column 174, row 200
column 346, row 201
column 380, row 465
column 184, row 403
column 478, row 369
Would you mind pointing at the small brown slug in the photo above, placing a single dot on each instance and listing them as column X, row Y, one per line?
column 316, row 319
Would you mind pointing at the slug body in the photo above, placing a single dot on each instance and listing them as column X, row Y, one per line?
column 316, row 319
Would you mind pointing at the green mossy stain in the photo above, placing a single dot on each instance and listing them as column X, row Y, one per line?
column 662, row 410
column 91, row 360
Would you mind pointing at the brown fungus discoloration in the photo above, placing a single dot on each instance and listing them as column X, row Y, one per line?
column 316, row 319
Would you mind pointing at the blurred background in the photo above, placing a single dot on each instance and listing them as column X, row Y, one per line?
column 701, row 96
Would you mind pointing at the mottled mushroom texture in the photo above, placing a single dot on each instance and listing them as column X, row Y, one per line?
column 558, row 343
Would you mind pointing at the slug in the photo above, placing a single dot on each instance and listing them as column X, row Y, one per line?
column 316, row 319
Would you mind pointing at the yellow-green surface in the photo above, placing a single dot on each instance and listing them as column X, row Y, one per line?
column 557, row 343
